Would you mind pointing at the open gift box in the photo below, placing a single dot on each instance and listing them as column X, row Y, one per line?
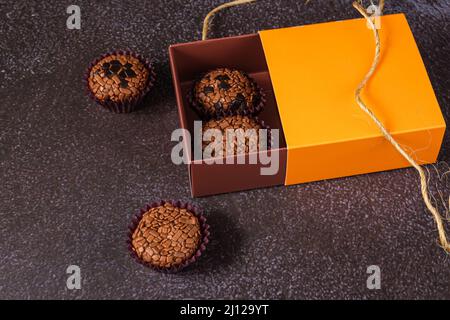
column 309, row 75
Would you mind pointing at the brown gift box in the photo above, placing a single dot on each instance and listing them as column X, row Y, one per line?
column 310, row 92
column 188, row 61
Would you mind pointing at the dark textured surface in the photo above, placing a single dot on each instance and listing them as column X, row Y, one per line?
column 72, row 174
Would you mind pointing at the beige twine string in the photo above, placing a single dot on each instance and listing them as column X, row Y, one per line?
column 217, row 9
column 423, row 178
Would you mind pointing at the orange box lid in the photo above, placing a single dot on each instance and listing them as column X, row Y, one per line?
column 315, row 70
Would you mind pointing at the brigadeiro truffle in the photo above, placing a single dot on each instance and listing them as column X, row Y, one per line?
column 224, row 92
column 238, row 146
column 168, row 236
column 119, row 81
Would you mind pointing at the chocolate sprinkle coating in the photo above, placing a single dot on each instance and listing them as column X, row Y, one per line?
column 234, row 122
column 118, row 78
column 166, row 236
column 226, row 91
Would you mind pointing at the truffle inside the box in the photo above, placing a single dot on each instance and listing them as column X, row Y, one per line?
column 251, row 140
column 226, row 92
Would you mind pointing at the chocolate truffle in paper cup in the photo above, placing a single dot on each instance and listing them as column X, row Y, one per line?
column 250, row 140
column 119, row 80
column 168, row 235
column 223, row 92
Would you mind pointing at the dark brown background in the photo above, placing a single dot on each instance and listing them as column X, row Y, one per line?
column 72, row 175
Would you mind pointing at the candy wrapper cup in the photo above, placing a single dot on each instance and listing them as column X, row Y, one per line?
column 128, row 105
column 204, row 230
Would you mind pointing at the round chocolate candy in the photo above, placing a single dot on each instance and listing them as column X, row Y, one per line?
column 223, row 92
column 118, row 79
column 244, row 142
column 166, row 236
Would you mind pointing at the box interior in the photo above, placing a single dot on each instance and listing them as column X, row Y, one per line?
column 191, row 60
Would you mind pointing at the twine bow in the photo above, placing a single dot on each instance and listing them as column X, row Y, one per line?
column 423, row 178
column 217, row 9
